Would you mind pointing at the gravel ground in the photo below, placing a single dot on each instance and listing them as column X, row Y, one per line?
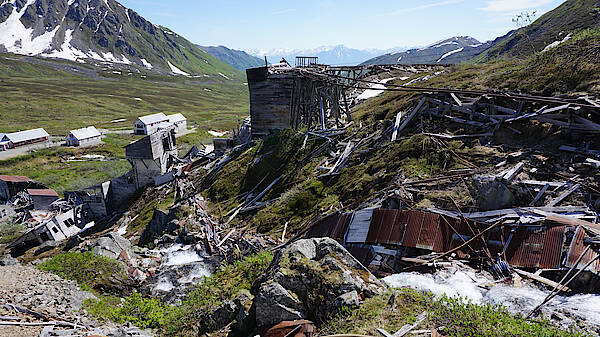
column 53, row 297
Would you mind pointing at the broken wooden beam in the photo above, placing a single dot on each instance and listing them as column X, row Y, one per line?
column 409, row 327
column 539, row 278
column 509, row 175
column 412, row 115
column 539, row 195
column 563, row 196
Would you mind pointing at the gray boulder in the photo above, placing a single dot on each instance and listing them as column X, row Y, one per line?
column 111, row 246
column 312, row 279
column 492, row 194
column 8, row 260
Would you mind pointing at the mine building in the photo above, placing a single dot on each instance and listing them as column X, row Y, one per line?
column 179, row 121
column 84, row 137
column 10, row 186
column 22, row 138
column 42, row 198
column 147, row 125
column 152, row 156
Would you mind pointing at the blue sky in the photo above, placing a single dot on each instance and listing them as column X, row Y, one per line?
column 267, row 24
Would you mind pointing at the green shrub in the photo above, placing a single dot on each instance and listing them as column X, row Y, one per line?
column 141, row 311
column 87, row 269
column 459, row 317
column 146, row 312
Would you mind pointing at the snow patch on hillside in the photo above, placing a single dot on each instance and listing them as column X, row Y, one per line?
column 176, row 70
column 147, row 64
column 450, row 53
column 67, row 51
column 556, row 43
column 18, row 39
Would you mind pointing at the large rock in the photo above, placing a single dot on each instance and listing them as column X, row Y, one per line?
column 492, row 194
column 111, row 246
column 311, row 279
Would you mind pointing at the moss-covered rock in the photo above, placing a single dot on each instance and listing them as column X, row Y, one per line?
column 312, row 279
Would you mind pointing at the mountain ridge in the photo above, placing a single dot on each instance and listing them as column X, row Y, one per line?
column 332, row 55
column 448, row 51
column 239, row 59
column 100, row 30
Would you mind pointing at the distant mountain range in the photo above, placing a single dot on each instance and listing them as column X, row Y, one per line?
column 453, row 50
column 99, row 30
column 237, row 58
column 332, row 55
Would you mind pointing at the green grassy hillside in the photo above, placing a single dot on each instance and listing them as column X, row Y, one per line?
column 37, row 96
column 570, row 17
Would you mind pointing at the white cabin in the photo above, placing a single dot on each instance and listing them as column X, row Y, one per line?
column 147, row 125
column 179, row 121
column 84, row 137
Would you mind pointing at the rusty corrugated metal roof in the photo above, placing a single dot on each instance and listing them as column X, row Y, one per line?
column 399, row 228
column 15, row 179
column 43, row 192
column 413, row 228
column 577, row 248
column 553, row 247
column 429, row 231
column 536, row 247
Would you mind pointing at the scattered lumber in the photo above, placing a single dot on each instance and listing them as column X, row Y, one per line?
column 539, row 279
column 563, row 196
column 409, row 327
column 539, row 195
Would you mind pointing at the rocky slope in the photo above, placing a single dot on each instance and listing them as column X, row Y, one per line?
column 103, row 30
column 450, row 51
column 236, row 58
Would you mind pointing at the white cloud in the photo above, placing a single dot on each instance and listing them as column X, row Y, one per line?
column 284, row 11
column 513, row 5
column 425, row 6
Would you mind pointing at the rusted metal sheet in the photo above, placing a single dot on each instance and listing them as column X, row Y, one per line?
column 413, row 229
column 536, row 247
column 577, row 248
column 387, row 225
column 443, row 239
column 301, row 328
column 397, row 232
column 359, row 226
column 553, row 245
column 339, row 232
column 375, row 226
column 381, row 226
column 325, row 227
column 429, row 230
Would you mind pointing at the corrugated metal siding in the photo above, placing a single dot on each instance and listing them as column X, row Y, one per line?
column 387, row 225
column 537, row 247
column 399, row 228
column 429, row 231
column 375, row 226
column 339, row 232
column 443, row 239
column 553, row 246
column 577, row 248
column 325, row 227
column 359, row 227
column 413, row 229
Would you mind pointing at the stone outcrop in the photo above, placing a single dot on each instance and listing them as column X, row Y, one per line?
column 311, row 279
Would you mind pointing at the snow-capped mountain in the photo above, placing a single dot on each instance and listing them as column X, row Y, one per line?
column 332, row 55
column 102, row 30
column 449, row 51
